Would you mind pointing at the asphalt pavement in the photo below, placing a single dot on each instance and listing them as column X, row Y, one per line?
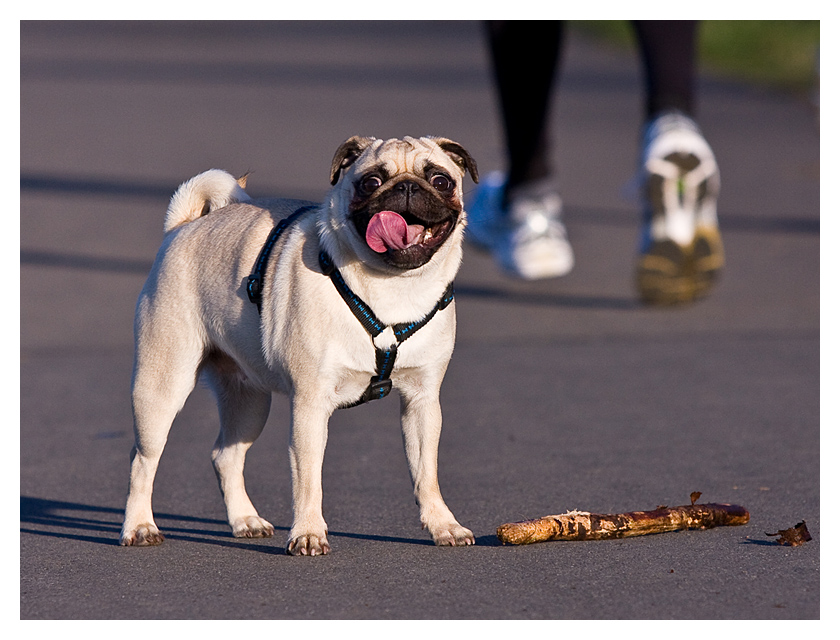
column 561, row 394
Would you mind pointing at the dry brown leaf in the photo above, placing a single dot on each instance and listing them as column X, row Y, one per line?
column 695, row 495
column 793, row 537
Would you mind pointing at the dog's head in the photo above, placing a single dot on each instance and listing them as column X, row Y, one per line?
column 402, row 198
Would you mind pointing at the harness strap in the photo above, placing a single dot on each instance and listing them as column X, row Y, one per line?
column 255, row 280
column 380, row 383
column 364, row 314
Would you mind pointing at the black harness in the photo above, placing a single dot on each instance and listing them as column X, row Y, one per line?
column 380, row 383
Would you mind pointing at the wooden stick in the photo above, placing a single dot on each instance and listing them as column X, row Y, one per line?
column 582, row 525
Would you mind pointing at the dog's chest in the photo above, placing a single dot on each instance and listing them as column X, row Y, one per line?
column 364, row 370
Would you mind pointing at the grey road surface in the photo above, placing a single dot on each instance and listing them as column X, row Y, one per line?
column 561, row 394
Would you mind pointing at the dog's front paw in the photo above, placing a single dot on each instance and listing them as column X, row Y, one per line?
column 252, row 527
column 144, row 535
column 452, row 535
column 308, row 545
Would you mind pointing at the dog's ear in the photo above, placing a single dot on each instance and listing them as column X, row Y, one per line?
column 459, row 156
column 347, row 154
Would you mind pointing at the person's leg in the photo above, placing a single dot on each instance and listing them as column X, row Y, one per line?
column 668, row 51
column 517, row 215
column 681, row 249
column 525, row 56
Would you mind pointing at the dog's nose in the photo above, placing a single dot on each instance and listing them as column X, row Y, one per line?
column 407, row 187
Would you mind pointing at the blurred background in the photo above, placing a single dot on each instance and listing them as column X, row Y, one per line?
column 782, row 54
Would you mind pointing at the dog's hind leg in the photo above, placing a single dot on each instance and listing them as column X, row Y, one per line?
column 243, row 411
column 163, row 378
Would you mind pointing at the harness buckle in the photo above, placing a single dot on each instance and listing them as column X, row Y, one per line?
column 377, row 389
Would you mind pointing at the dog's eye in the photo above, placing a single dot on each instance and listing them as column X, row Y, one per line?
column 369, row 184
column 441, row 182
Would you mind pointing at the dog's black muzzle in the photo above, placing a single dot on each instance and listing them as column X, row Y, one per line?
column 417, row 203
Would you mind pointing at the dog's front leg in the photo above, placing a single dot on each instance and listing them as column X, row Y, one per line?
column 307, row 442
column 421, row 424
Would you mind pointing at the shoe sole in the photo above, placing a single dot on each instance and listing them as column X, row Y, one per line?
column 670, row 274
column 542, row 271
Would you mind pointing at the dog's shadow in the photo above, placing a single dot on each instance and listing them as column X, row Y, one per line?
column 101, row 525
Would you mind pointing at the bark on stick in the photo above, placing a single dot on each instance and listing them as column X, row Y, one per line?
column 582, row 525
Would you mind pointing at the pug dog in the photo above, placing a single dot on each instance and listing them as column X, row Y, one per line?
column 333, row 304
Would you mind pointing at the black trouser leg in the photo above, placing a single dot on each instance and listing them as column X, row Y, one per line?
column 668, row 58
column 525, row 56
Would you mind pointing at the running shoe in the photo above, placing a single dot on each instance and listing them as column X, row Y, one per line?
column 527, row 237
column 681, row 252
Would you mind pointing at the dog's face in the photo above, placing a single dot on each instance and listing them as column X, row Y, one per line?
column 403, row 198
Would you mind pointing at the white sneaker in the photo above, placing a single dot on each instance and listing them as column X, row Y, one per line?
column 681, row 250
column 527, row 239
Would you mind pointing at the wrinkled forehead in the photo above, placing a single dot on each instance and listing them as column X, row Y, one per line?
column 409, row 155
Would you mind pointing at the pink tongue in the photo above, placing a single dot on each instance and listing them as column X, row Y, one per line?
column 389, row 230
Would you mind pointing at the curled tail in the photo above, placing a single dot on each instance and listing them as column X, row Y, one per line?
column 202, row 194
